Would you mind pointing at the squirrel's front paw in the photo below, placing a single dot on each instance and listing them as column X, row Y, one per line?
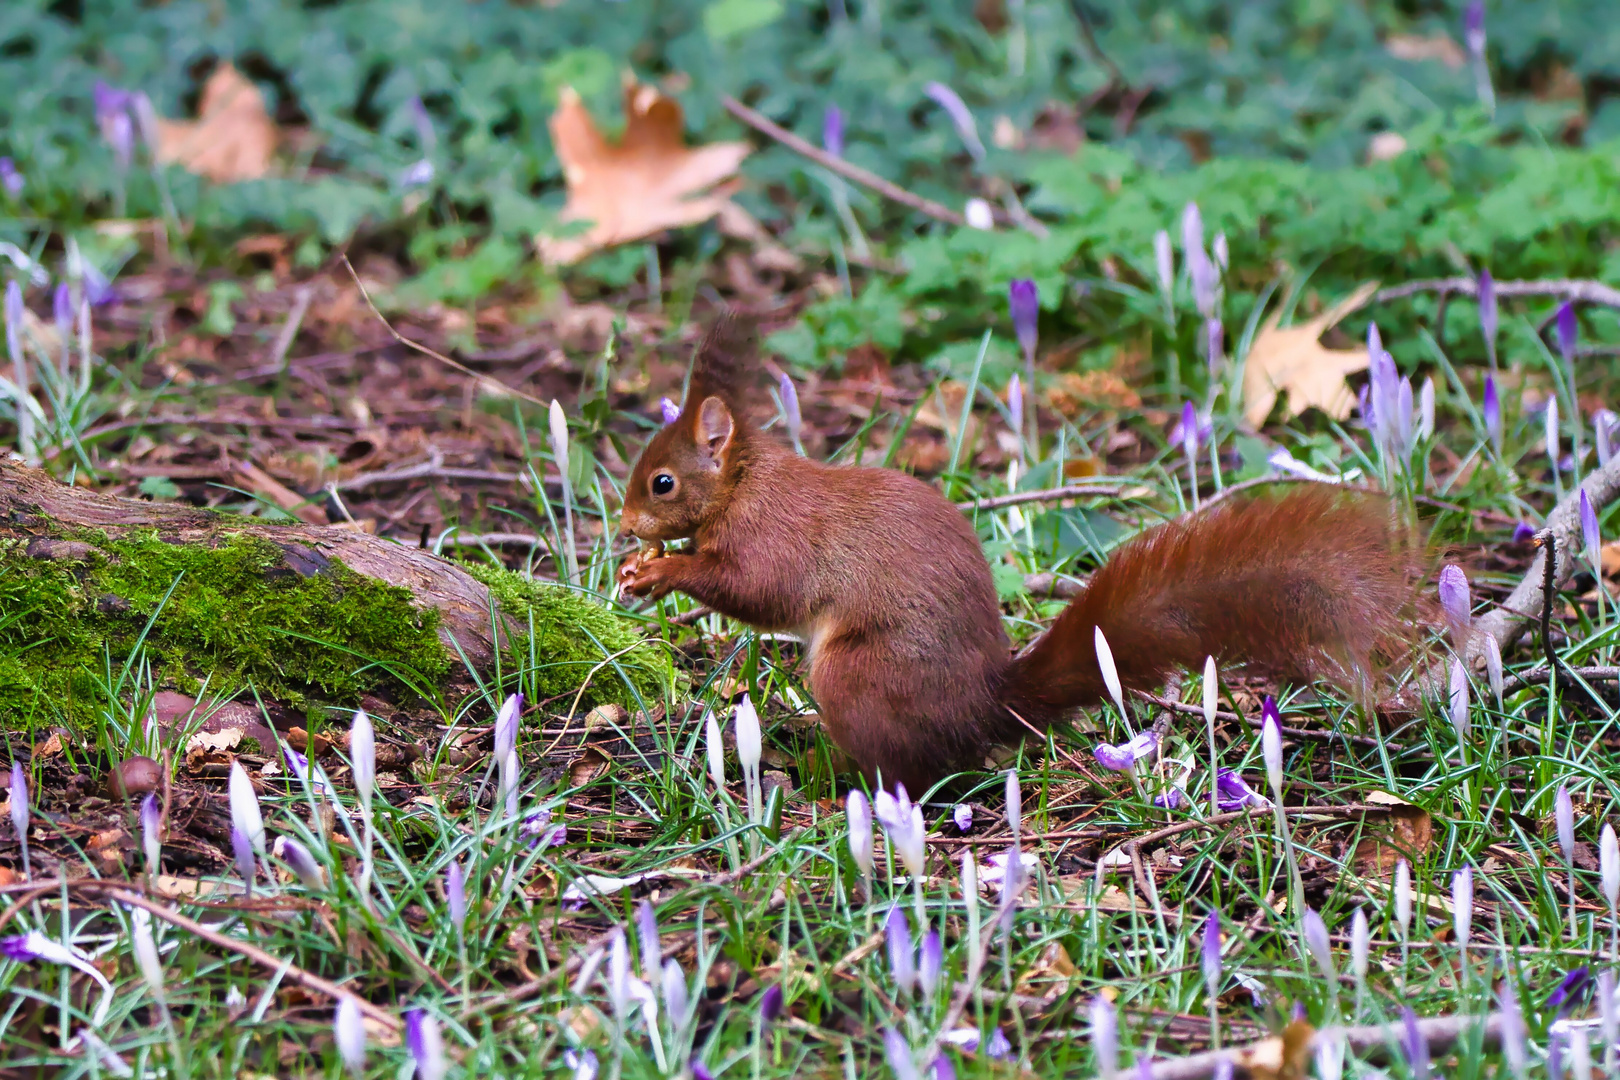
column 644, row 576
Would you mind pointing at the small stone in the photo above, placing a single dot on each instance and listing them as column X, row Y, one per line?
column 134, row 776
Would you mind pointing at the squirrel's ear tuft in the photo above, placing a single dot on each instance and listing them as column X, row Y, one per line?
column 722, row 360
column 715, row 427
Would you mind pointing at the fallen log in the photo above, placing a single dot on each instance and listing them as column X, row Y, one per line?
column 90, row 582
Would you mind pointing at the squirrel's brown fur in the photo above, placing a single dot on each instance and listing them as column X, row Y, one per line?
column 887, row 585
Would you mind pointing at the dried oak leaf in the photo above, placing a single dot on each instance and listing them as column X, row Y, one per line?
column 648, row 181
column 232, row 138
column 1407, row 833
column 1292, row 359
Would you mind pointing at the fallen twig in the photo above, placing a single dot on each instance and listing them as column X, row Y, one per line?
column 494, row 385
column 1537, row 676
column 1296, row 733
column 763, row 124
column 289, row 329
column 1591, row 292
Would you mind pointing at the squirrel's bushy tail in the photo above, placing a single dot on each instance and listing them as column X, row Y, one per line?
column 1315, row 583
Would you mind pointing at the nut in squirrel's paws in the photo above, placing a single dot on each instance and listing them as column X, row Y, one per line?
column 633, row 566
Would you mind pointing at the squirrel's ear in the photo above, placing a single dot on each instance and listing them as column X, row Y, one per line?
column 714, row 426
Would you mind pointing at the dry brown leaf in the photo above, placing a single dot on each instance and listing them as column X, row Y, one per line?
column 1435, row 47
column 648, row 181
column 1281, row 1057
column 232, row 138
column 587, row 767
column 1409, row 833
column 1292, row 359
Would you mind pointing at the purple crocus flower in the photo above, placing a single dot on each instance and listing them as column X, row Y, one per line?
column 1474, row 27
column 961, row 116
column 790, row 407
column 242, row 847
column 1416, row 1049
column 62, row 311
column 1589, row 530
column 19, row 810
column 1214, row 340
column 1234, row 793
column 1454, row 599
column 1173, row 799
column 930, row 962
column 1023, row 301
column 10, row 178
column 1123, row 757
column 542, row 833
column 426, row 1044
column 303, row 864
column 670, row 411
column 115, row 117
column 418, row 174
column 897, row 938
column 1189, row 430
column 1573, row 991
column 771, row 1003
column 832, row 131
column 455, row 895
column 962, row 816
column 943, row 1069
column 1567, row 330
column 1523, row 531
column 1491, row 409
column 1211, row 958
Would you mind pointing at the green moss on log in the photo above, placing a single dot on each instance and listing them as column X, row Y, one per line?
column 573, row 636
column 245, row 610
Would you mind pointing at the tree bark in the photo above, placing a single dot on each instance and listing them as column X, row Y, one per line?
column 35, row 507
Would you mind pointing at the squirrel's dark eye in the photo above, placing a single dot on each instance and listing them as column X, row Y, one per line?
column 663, row 484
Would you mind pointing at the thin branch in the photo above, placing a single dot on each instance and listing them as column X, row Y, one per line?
column 289, row 329
column 1535, row 677
column 1590, row 292
column 1374, row 1043
column 297, row 974
column 763, row 124
column 1306, row 734
column 494, row 385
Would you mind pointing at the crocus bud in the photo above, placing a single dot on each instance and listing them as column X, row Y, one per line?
column 1164, row 261
column 1110, row 674
column 911, row 842
column 961, row 117
column 930, row 962
column 242, row 850
column 1192, row 230
column 1330, row 1054
column 1487, row 310
column 832, row 131
column 245, row 813
column 147, row 960
column 363, row 758
column 349, row 1034
column 1589, row 532
column 11, row 178
column 858, row 813
column 455, row 895
column 897, row 1052
column 978, row 215
column 1211, row 958
column 676, row 1002
column 1493, row 668
column 670, row 411
column 1564, row 816
column 652, row 958
column 1015, row 803
column 1580, row 1054
column 1104, row 1037
column 745, row 724
column 1462, row 900
column 1189, row 430
column 1567, row 331
column 716, row 749
column 426, row 1044
column 1211, row 689
column 1023, row 301
column 559, row 435
column 297, row 856
column 1015, row 404
column 1321, row 947
column 1271, row 746
column 1459, row 701
column 1426, row 410
column 1552, row 439
column 1609, row 866
column 1214, row 340
column 790, row 407
column 1454, row 598
column 962, row 817
column 1609, row 1017
column 1513, row 1035
column 1403, row 896
column 771, row 1003
column 506, row 725
column 151, row 832
column 19, row 809
column 1360, row 943
column 1491, row 410
column 897, row 938
column 1223, row 254
column 1413, row 1044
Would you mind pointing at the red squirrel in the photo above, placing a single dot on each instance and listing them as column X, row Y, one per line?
column 886, row 584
